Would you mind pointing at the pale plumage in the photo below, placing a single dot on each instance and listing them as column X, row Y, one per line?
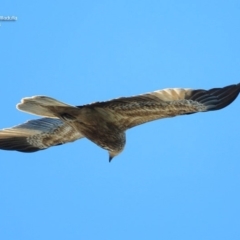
column 105, row 123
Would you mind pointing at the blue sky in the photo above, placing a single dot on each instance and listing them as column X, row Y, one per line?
column 177, row 178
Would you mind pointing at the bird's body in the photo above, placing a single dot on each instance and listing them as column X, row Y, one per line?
column 105, row 123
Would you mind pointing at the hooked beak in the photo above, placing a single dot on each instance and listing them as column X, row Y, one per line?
column 113, row 154
column 110, row 158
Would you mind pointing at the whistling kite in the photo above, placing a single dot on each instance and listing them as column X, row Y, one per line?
column 105, row 123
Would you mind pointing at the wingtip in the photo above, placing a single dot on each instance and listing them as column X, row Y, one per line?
column 216, row 98
column 16, row 143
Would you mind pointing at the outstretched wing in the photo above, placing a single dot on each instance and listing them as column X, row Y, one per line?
column 37, row 135
column 131, row 111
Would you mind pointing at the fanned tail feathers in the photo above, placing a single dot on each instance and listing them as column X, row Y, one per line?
column 41, row 106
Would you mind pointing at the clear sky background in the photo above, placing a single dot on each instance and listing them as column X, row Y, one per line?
column 177, row 178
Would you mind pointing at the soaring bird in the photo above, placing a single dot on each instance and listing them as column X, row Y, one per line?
column 105, row 123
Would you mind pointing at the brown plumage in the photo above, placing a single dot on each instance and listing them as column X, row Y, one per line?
column 105, row 123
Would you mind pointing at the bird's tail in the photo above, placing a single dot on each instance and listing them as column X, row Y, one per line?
column 41, row 106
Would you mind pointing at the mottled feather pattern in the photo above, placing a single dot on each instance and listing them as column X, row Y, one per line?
column 132, row 111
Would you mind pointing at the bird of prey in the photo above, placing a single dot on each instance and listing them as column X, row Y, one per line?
column 105, row 123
